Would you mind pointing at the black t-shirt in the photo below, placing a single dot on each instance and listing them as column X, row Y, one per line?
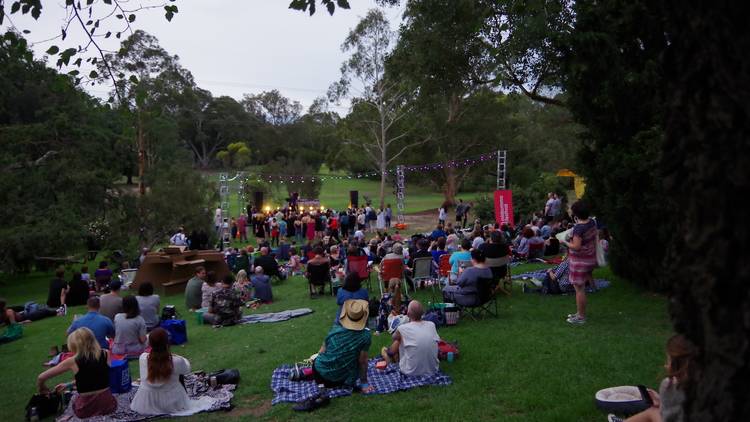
column 56, row 287
column 494, row 250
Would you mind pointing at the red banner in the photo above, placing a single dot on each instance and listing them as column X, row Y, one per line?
column 504, row 207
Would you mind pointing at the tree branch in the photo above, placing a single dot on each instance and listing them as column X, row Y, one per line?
column 407, row 147
column 101, row 53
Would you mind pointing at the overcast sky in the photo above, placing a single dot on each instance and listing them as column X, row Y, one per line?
column 232, row 47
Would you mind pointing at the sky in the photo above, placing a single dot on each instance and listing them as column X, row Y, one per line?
column 232, row 47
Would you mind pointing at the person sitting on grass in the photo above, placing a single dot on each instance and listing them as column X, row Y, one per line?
column 193, row 294
column 91, row 371
column 208, row 288
column 668, row 402
column 391, row 305
column 110, row 304
column 149, row 305
column 78, row 291
column 99, row 325
column 242, row 286
column 130, row 329
column 555, row 281
column 463, row 254
column 58, row 288
column 466, row 290
column 352, row 289
column 225, row 307
column 160, row 391
column 269, row 264
column 261, row 284
column 294, row 266
column 342, row 358
column 414, row 344
column 103, row 276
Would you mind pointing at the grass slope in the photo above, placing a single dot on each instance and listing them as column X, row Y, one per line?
column 335, row 194
column 525, row 365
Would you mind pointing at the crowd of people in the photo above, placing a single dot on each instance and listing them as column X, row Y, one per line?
column 129, row 326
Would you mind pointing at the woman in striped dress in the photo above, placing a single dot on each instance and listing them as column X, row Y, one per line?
column 582, row 255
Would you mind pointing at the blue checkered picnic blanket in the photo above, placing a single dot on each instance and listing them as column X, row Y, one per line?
column 384, row 381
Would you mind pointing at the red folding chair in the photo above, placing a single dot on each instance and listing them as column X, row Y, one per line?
column 358, row 265
column 391, row 268
column 444, row 273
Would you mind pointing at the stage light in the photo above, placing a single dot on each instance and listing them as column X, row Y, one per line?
column 267, row 208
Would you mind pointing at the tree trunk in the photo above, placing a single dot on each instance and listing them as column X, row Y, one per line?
column 141, row 157
column 450, row 188
column 706, row 160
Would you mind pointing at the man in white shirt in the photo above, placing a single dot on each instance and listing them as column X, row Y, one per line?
column 414, row 344
column 178, row 239
column 217, row 219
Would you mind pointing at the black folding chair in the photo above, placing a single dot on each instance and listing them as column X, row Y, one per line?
column 318, row 276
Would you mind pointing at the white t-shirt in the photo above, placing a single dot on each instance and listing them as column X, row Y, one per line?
column 178, row 239
column 418, row 351
column 441, row 214
column 217, row 217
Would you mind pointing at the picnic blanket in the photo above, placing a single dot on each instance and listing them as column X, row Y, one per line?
column 210, row 399
column 275, row 316
column 385, row 381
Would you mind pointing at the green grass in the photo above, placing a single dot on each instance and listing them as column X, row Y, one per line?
column 335, row 194
column 525, row 365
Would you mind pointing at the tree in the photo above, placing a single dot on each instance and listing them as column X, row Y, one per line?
column 98, row 26
column 370, row 42
column 57, row 154
column 237, row 155
column 614, row 85
column 270, row 107
column 704, row 162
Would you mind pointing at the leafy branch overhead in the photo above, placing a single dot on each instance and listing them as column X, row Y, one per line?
column 98, row 20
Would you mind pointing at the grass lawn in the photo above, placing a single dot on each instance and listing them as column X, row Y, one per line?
column 335, row 194
column 525, row 365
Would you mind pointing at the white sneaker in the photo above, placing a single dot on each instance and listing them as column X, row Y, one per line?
column 572, row 315
column 612, row 418
column 577, row 320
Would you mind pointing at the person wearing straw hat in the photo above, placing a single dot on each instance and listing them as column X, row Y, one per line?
column 342, row 358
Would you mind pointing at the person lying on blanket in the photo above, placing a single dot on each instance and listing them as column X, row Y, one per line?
column 414, row 344
column 343, row 356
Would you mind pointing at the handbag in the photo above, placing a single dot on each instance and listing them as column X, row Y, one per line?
column 177, row 330
column 44, row 405
column 225, row 376
column 444, row 348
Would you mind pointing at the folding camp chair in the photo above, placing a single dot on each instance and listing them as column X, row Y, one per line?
column 501, row 273
column 318, row 276
column 422, row 270
column 486, row 303
column 444, row 273
column 358, row 265
column 391, row 268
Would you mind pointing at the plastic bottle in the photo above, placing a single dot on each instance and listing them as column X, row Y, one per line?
column 34, row 415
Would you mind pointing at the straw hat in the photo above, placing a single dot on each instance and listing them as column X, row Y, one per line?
column 354, row 314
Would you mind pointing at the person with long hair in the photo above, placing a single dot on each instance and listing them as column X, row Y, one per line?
column 582, row 256
column 160, row 391
column 667, row 403
column 130, row 329
column 149, row 305
column 89, row 365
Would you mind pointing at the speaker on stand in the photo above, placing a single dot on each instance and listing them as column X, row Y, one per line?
column 354, row 198
column 258, row 200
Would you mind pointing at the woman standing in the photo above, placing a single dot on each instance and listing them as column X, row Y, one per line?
column 380, row 225
column 582, row 255
column 91, row 372
column 310, row 229
column 160, row 391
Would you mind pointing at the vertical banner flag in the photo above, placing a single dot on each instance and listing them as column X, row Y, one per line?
column 504, row 207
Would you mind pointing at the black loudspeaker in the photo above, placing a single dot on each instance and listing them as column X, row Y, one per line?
column 258, row 196
column 354, row 198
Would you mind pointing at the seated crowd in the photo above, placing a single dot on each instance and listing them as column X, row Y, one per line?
column 130, row 326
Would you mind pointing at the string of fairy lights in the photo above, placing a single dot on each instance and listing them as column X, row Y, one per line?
column 312, row 178
column 246, row 178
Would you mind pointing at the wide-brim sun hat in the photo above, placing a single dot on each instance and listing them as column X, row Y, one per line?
column 354, row 314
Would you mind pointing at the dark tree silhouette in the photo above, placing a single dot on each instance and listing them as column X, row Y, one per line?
column 706, row 159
